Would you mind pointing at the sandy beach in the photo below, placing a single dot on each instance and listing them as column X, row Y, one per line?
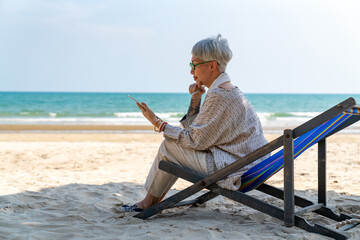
column 65, row 186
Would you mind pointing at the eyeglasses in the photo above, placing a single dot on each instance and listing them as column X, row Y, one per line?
column 193, row 66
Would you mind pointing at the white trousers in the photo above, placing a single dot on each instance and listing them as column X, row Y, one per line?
column 159, row 182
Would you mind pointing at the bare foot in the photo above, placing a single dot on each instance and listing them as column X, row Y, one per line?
column 148, row 201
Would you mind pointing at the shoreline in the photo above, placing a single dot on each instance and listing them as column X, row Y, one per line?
column 63, row 127
column 124, row 128
column 128, row 136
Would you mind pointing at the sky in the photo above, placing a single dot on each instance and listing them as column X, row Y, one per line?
column 279, row 46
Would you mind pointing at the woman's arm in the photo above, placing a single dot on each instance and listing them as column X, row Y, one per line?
column 210, row 125
column 194, row 107
column 196, row 94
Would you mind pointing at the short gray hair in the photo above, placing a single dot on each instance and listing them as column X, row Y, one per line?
column 213, row 48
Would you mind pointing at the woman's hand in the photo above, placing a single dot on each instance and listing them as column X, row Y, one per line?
column 146, row 111
column 194, row 89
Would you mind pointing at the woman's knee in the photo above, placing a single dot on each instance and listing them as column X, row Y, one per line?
column 169, row 150
column 166, row 146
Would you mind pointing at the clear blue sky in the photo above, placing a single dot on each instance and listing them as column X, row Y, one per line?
column 145, row 46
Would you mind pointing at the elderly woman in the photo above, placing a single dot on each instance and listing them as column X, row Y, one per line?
column 223, row 130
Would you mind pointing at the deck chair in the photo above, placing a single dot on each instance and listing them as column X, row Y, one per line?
column 294, row 142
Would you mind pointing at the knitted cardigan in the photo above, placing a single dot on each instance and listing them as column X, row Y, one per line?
column 227, row 128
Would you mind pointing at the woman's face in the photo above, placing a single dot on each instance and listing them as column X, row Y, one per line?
column 202, row 72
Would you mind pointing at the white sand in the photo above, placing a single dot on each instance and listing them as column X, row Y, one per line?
column 64, row 186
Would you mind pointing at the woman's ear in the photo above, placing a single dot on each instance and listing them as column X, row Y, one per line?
column 214, row 65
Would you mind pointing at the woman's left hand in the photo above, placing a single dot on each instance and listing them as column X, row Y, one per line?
column 148, row 113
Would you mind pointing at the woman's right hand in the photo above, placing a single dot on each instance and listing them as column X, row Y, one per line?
column 194, row 89
column 148, row 113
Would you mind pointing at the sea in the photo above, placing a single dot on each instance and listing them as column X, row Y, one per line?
column 274, row 110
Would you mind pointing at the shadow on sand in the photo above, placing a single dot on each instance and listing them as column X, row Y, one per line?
column 82, row 211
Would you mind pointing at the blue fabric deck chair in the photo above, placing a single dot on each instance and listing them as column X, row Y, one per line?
column 294, row 142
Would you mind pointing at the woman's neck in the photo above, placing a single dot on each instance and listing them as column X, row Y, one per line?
column 214, row 76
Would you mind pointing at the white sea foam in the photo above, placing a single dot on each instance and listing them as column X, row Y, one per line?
column 293, row 115
column 128, row 114
column 81, row 121
column 305, row 114
column 268, row 120
column 168, row 115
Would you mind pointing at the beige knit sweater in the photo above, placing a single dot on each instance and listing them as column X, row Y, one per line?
column 227, row 127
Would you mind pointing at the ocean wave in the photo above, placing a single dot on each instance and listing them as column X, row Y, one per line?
column 168, row 115
column 275, row 123
column 138, row 114
column 81, row 121
column 287, row 115
column 136, row 118
column 128, row 114
column 125, row 115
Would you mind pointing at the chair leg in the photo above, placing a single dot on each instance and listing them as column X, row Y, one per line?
column 322, row 172
column 289, row 200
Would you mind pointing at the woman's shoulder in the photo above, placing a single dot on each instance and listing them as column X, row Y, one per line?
column 226, row 93
column 229, row 98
